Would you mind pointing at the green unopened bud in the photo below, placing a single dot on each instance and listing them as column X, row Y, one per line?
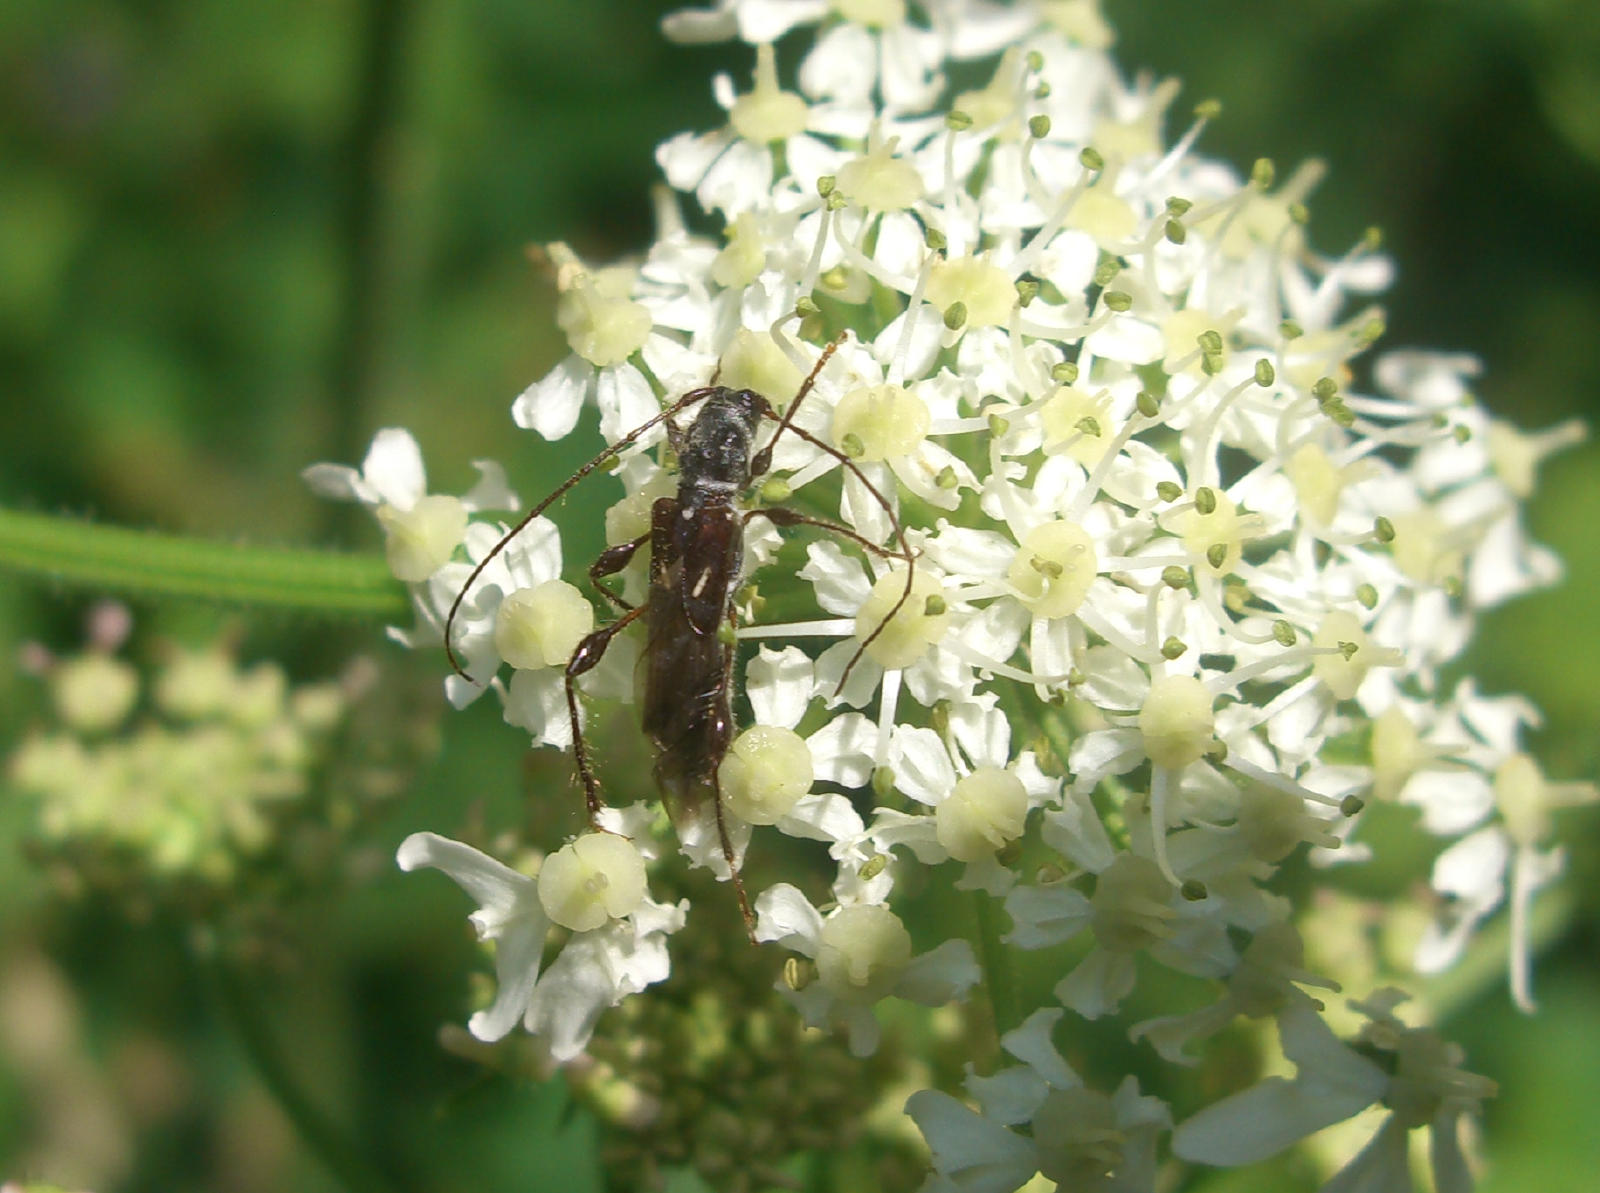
column 1039, row 126
column 726, row 634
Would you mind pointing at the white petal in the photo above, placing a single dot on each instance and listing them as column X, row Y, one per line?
column 940, row 976
column 977, row 1155
column 625, row 400
column 785, row 915
column 393, row 468
column 338, row 482
column 779, row 684
column 551, row 405
column 495, row 887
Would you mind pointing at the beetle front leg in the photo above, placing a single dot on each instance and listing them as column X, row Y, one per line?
column 611, row 561
column 584, row 659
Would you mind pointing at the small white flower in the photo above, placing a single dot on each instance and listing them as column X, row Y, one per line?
column 617, row 952
column 862, row 953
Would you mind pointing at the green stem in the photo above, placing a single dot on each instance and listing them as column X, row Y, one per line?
column 149, row 563
column 998, row 978
column 327, row 1141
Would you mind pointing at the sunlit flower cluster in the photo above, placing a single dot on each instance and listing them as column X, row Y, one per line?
column 1186, row 562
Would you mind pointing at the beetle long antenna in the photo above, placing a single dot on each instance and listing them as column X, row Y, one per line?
column 762, row 460
column 688, row 399
column 900, row 537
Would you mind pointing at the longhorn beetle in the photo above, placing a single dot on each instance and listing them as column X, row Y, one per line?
column 696, row 542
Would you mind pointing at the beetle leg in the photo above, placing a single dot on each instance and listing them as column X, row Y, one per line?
column 584, row 659
column 611, row 561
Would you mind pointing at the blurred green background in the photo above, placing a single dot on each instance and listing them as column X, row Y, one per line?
column 238, row 236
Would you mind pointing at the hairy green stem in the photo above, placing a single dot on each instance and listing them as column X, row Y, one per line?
column 84, row 554
column 993, row 956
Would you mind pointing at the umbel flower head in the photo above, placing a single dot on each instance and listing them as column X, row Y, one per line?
column 1128, row 557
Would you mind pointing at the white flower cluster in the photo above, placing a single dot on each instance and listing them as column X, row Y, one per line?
column 1113, row 401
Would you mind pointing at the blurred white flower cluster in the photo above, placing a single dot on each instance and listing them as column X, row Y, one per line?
column 173, row 784
column 1188, row 564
